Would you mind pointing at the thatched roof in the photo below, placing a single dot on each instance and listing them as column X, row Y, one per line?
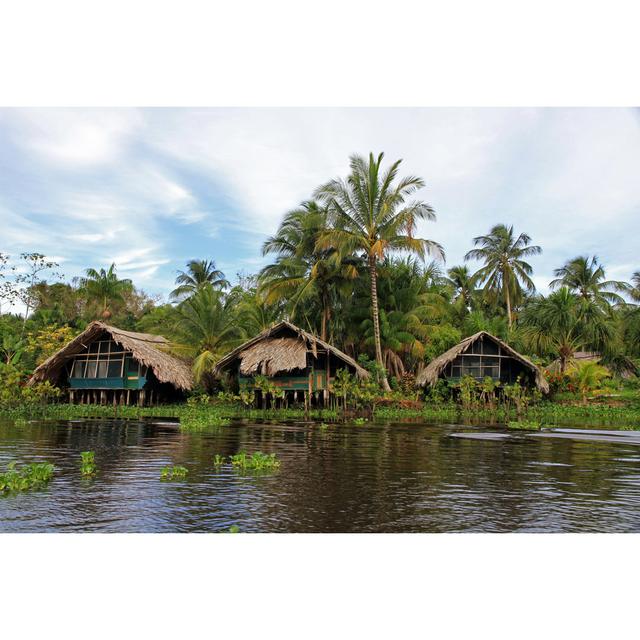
column 145, row 347
column 432, row 372
column 283, row 347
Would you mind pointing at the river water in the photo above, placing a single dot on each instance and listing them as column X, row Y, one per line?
column 408, row 477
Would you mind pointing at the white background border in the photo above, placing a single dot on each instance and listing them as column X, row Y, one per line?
column 325, row 53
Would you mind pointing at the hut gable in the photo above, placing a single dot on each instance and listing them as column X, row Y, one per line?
column 437, row 367
column 280, row 349
column 145, row 348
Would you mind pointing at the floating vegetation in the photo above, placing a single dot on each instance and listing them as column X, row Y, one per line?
column 88, row 463
column 360, row 421
column 256, row 462
column 234, row 528
column 526, row 425
column 218, row 460
column 173, row 473
column 31, row 476
column 201, row 420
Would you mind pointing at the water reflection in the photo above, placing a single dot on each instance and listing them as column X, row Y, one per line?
column 389, row 477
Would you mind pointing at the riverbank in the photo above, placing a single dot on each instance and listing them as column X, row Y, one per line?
column 203, row 416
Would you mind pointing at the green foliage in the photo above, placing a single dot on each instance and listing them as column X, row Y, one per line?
column 267, row 387
column 173, row 473
column 15, row 393
column 588, row 376
column 525, row 425
column 440, row 392
column 88, row 463
column 30, row 476
column 468, row 391
column 218, row 460
column 46, row 341
column 258, row 461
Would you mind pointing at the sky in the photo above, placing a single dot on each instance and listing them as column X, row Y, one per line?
column 150, row 189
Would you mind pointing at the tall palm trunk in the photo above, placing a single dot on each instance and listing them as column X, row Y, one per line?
column 325, row 318
column 507, row 296
column 376, row 321
column 508, row 299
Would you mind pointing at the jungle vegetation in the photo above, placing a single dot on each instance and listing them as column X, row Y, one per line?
column 349, row 265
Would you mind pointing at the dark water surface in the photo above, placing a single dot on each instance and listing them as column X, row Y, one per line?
column 375, row 478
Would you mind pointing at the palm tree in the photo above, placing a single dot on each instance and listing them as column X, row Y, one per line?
column 585, row 276
column 104, row 288
column 369, row 213
column 206, row 328
column 588, row 376
column 199, row 273
column 463, row 283
column 253, row 312
column 634, row 290
column 302, row 270
column 561, row 323
column 504, row 271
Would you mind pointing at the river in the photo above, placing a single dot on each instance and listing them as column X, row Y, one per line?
column 390, row 477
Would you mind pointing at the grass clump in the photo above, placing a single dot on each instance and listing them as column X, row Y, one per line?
column 526, row 425
column 175, row 472
column 31, row 476
column 88, row 463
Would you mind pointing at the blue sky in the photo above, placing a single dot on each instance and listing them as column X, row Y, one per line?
column 149, row 189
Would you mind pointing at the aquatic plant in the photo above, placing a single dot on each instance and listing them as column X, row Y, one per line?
column 528, row 425
column 359, row 421
column 256, row 462
column 218, row 460
column 173, row 472
column 234, row 528
column 31, row 476
column 88, row 463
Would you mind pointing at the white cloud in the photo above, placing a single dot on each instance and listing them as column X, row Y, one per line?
column 78, row 137
column 112, row 182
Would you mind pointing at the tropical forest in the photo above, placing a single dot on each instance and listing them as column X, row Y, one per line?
column 349, row 266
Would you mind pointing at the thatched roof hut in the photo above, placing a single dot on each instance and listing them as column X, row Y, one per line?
column 289, row 355
column 145, row 351
column 480, row 355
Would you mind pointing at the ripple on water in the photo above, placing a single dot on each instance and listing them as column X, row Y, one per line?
column 401, row 477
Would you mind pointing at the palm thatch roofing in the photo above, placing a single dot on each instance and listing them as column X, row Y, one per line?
column 145, row 347
column 281, row 348
column 432, row 372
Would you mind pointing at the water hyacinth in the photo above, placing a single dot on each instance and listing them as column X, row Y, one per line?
column 31, row 476
column 256, row 462
column 87, row 463
column 173, row 472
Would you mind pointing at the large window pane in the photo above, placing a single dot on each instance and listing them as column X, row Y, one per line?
column 115, row 368
column 78, row 369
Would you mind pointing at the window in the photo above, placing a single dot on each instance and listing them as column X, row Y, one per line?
column 115, row 369
column 79, row 369
column 92, row 367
